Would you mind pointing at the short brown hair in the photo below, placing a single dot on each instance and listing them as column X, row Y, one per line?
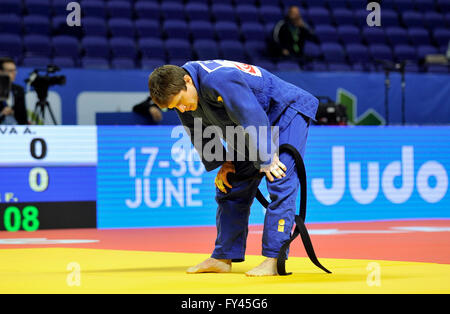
column 165, row 82
column 4, row 60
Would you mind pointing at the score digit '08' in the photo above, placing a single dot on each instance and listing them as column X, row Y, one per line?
column 14, row 219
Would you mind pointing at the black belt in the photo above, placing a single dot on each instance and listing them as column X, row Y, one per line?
column 300, row 228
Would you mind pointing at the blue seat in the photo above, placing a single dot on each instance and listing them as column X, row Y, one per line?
column 64, row 62
column 413, row 19
column 447, row 19
column 412, row 67
column 443, row 5
column 270, row 13
column 326, row 33
column 342, row 16
column 424, row 50
column 176, row 29
column 121, row 27
column 11, row 45
column 318, row 3
column 152, row 48
column 223, row 12
column 334, row 4
column 38, row 7
column 59, row 7
column 227, row 31
column 433, row 19
column 94, row 8
column 247, row 13
column 441, row 36
column 380, row 51
column 419, row 36
column 255, row 49
column 201, row 30
column 317, row 66
column 232, row 50
column 11, row 7
column 37, row 24
column 178, row 49
column 94, row 26
column 36, row 62
column 59, row 27
column 123, row 47
column 360, row 17
column 172, row 10
column 424, row 5
column 147, row 10
column 319, row 15
column 65, row 46
column 397, row 35
column 333, row 52
column 37, row 46
column 374, row 35
column 206, row 49
column 357, row 53
column 339, row 67
column 404, row 5
column 10, row 24
column 95, row 47
column 437, row 68
column 151, row 64
column 178, row 61
column 205, row 1
column 95, row 63
column 253, row 31
column 389, row 18
column 197, row 12
column 147, row 28
column 265, row 64
column 405, row 52
column 288, row 66
column 119, row 9
column 287, row 3
column 247, row 2
column 357, row 4
column 349, row 34
column 123, row 63
column 312, row 50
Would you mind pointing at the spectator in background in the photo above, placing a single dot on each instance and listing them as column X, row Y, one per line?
column 290, row 34
column 149, row 109
column 13, row 110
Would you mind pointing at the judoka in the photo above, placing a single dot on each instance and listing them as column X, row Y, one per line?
column 225, row 94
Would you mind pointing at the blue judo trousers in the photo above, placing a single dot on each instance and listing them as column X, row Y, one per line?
column 235, row 94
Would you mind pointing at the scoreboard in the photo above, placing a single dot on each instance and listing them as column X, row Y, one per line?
column 47, row 177
column 54, row 177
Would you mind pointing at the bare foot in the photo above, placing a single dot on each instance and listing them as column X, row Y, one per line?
column 267, row 268
column 211, row 265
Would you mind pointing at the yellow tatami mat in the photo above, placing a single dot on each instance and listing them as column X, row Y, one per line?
column 68, row 270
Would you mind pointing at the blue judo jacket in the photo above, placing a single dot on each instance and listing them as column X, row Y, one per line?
column 236, row 94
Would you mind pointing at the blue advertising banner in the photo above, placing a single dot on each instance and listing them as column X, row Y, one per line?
column 88, row 92
column 150, row 177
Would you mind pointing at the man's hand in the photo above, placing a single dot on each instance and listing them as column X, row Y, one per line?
column 7, row 111
column 221, row 178
column 276, row 168
column 155, row 113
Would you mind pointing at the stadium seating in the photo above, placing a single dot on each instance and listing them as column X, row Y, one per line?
column 141, row 33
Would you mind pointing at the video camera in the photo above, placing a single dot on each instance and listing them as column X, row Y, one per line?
column 5, row 86
column 41, row 83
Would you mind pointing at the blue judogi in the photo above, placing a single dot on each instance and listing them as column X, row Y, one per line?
column 236, row 94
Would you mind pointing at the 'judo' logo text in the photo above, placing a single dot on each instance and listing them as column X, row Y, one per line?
column 397, row 195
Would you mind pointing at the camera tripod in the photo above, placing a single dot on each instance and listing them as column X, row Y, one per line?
column 39, row 112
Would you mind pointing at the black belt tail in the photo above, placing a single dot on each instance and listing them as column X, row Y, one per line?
column 300, row 228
